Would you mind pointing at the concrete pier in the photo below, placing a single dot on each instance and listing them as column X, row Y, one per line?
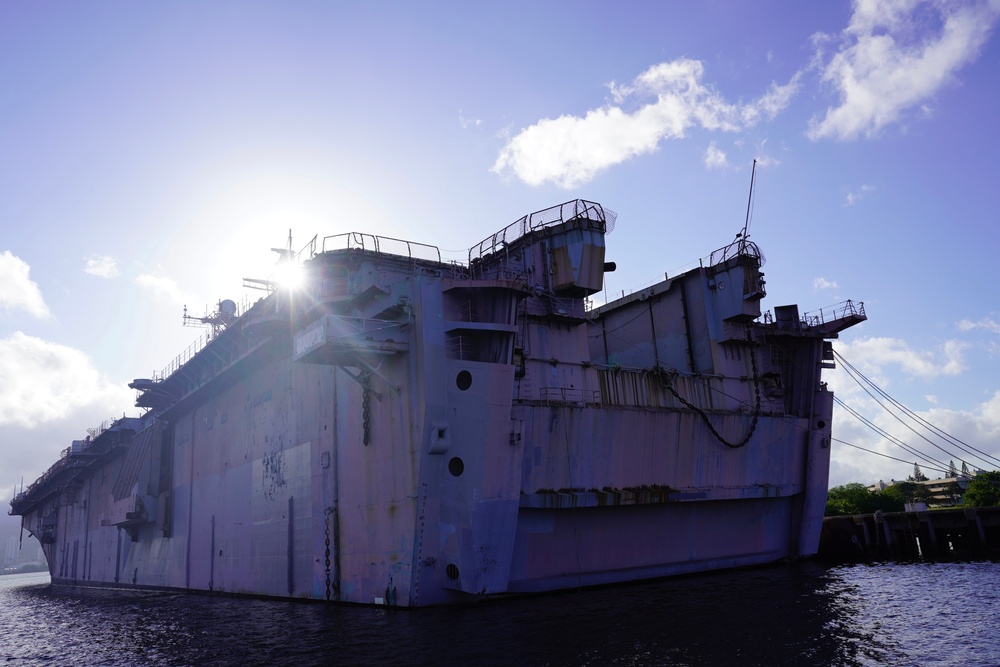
column 953, row 533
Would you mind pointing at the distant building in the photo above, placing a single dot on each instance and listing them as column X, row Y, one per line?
column 935, row 493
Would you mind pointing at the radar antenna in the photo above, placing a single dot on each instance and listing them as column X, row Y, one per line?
column 224, row 315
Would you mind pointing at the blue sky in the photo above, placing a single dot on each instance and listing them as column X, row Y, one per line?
column 151, row 155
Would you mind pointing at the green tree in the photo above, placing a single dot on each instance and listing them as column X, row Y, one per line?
column 855, row 498
column 912, row 492
column 918, row 475
column 846, row 499
column 893, row 498
column 983, row 490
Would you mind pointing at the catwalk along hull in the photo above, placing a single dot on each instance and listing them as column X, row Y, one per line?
column 406, row 431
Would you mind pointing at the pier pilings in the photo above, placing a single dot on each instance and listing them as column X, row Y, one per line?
column 970, row 532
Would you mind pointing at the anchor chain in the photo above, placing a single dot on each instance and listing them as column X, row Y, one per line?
column 329, row 511
column 666, row 381
column 366, row 400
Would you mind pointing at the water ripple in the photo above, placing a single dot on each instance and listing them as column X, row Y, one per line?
column 926, row 614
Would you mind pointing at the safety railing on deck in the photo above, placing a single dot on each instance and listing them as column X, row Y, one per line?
column 577, row 209
column 833, row 313
column 199, row 344
column 184, row 357
column 741, row 247
column 381, row 245
column 64, row 460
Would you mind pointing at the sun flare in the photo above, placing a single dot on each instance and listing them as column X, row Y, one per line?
column 289, row 274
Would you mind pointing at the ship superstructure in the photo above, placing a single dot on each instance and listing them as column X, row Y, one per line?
column 409, row 431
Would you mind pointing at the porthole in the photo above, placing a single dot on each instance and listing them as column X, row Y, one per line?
column 821, row 424
column 464, row 380
column 451, row 571
column 456, row 466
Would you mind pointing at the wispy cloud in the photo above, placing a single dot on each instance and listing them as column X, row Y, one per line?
column 465, row 123
column 979, row 426
column 102, row 266
column 163, row 286
column 881, row 360
column 822, row 283
column 854, row 196
column 895, row 55
column 715, row 157
column 986, row 324
column 876, row 353
column 663, row 102
column 17, row 290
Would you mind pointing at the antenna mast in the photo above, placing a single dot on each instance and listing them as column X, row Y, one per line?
column 746, row 225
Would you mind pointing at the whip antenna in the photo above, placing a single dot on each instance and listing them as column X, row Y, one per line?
column 746, row 225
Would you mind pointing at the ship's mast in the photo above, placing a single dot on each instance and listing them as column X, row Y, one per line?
column 746, row 224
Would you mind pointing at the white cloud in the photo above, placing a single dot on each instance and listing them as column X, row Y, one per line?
column 42, row 382
column 974, row 437
column 822, row 283
column 855, row 196
column 894, row 55
column 877, row 358
column 466, row 123
column 162, row 286
column 763, row 159
column 17, row 290
column 771, row 103
column 871, row 355
column 715, row 158
column 661, row 103
column 986, row 323
column 102, row 266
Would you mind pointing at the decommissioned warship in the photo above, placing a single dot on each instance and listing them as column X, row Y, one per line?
column 408, row 431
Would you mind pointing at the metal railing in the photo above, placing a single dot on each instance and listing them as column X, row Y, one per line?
column 63, row 461
column 189, row 352
column 569, row 395
column 199, row 344
column 741, row 247
column 382, row 245
column 833, row 313
column 577, row 209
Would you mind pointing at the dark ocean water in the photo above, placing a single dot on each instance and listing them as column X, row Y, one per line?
column 920, row 614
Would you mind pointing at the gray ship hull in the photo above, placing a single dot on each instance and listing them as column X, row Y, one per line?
column 410, row 432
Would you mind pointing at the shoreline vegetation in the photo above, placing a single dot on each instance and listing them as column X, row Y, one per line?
column 979, row 490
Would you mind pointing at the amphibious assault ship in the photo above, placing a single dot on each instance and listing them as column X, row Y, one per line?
column 408, row 431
